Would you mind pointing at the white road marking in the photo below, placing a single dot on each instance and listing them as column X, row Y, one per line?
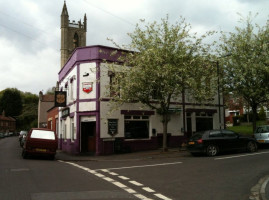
column 141, row 166
column 113, row 174
column 122, row 186
column 162, row 197
column 140, row 196
column 244, row 155
column 123, row 177
column 109, row 179
column 92, row 171
column 99, row 175
column 148, row 189
column 136, row 183
column 129, row 190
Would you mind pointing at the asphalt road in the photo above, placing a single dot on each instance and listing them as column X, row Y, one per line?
column 177, row 176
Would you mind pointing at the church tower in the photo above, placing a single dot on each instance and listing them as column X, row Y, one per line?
column 73, row 35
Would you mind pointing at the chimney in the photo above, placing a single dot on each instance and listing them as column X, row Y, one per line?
column 40, row 95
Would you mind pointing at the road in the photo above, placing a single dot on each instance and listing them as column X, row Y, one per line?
column 228, row 176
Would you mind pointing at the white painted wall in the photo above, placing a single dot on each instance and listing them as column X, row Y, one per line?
column 87, row 68
column 174, row 125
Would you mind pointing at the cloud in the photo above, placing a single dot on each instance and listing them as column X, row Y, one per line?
column 28, row 72
column 30, row 30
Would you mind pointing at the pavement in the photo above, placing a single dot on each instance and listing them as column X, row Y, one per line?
column 260, row 191
column 143, row 155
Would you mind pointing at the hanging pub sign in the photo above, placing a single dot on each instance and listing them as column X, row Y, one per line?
column 112, row 126
column 60, row 99
column 87, row 87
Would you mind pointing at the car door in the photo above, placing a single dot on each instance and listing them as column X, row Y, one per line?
column 231, row 140
column 216, row 137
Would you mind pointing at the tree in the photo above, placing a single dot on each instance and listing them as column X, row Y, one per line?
column 28, row 117
column 247, row 69
column 50, row 90
column 11, row 102
column 166, row 62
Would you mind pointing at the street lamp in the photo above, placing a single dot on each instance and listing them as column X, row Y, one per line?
column 219, row 93
column 218, row 73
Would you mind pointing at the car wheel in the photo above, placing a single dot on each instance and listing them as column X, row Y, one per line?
column 251, row 146
column 212, row 150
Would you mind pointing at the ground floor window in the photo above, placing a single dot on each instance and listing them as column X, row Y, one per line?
column 72, row 129
column 63, row 129
column 204, row 121
column 136, row 127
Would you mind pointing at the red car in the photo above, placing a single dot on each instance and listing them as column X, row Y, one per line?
column 40, row 141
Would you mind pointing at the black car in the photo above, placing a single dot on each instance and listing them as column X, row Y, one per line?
column 212, row 142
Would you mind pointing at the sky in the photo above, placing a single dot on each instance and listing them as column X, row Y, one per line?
column 30, row 34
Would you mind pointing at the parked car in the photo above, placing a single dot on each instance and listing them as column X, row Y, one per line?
column 23, row 140
column 212, row 142
column 40, row 141
column 2, row 135
column 262, row 134
column 21, row 135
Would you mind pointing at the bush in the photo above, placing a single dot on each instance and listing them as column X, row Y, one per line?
column 237, row 120
column 261, row 114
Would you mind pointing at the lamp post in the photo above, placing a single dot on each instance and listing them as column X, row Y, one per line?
column 218, row 74
column 219, row 93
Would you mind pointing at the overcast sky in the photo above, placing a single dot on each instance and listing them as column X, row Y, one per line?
column 30, row 29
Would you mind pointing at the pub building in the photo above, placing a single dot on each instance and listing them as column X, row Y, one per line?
column 85, row 123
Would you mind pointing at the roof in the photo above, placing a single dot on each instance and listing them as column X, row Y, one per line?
column 3, row 118
column 48, row 98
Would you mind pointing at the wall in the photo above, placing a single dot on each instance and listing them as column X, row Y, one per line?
column 52, row 119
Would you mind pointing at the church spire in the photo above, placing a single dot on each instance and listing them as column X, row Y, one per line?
column 73, row 35
column 64, row 11
column 64, row 16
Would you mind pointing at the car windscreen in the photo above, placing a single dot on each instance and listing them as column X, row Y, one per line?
column 40, row 134
column 262, row 129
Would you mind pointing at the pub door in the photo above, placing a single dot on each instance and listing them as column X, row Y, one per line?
column 88, row 137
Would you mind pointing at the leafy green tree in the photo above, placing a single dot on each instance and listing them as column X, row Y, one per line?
column 247, row 69
column 11, row 102
column 28, row 117
column 167, row 61
column 50, row 91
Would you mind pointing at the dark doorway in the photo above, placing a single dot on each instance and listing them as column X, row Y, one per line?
column 88, row 137
column 203, row 124
column 189, row 127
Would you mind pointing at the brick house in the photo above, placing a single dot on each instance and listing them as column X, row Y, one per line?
column 45, row 103
column 7, row 124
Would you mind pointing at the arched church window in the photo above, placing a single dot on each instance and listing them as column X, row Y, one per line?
column 75, row 40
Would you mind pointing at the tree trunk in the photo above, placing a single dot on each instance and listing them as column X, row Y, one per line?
column 165, row 122
column 254, row 120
